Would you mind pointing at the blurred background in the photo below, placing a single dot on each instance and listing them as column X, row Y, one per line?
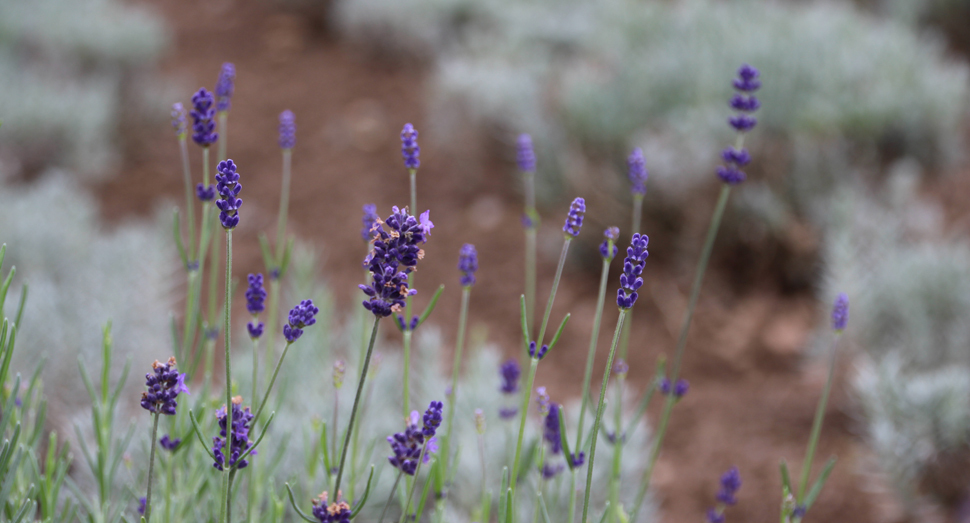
column 858, row 184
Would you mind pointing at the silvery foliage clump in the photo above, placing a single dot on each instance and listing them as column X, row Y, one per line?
column 64, row 65
column 911, row 290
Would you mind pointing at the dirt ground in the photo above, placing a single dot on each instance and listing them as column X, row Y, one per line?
column 753, row 392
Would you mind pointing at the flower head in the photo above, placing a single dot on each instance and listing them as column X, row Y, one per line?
column 164, row 385
column 225, row 85
column 552, row 432
column 468, row 264
column 744, row 103
column 730, row 483
column 525, row 154
column 840, row 312
column 178, row 119
column 394, row 255
column 415, row 441
column 169, row 444
column 205, row 193
column 678, row 389
column 336, row 512
column 608, row 248
column 630, row 280
column 510, row 373
column 409, row 147
column 255, row 294
column 301, row 316
column 369, row 220
column 255, row 329
column 239, row 441
column 287, row 130
column 574, row 220
column 637, row 172
column 228, row 186
column 203, row 123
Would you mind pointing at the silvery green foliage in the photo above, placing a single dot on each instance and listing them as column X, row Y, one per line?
column 63, row 68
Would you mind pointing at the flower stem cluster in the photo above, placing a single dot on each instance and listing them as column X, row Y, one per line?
column 410, row 150
column 637, row 172
column 287, row 129
column 574, row 220
column 468, row 264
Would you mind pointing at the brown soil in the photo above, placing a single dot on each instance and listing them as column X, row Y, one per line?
column 752, row 395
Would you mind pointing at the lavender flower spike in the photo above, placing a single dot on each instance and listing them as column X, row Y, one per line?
column 178, row 120
column 164, row 385
column 238, row 442
column 203, row 123
column 407, row 446
column 730, row 483
column 630, row 280
column 574, row 220
column 525, row 154
column 255, row 294
column 745, row 103
column 370, row 218
column 169, row 444
column 840, row 312
column 336, row 512
column 468, row 264
column 225, row 86
column 409, row 147
column 510, row 373
column 394, row 256
column 610, row 236
column 301, row 316
column 287, row 130
column 227, row 184
column 637, row 172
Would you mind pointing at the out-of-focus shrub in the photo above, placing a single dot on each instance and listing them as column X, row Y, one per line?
column 65, row 67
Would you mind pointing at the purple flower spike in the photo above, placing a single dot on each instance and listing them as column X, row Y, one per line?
column 525, row 154
column 255, row 294
column 552, row 431
column 747, row 80
column 164, row 385
column 238, row 442
column 287, row 130
column 574, row 220
column 409, row 147
column 409, row 445
column 203, row 119
column 168, row 443
column 301, row 316
column 142, row 505
column 840, row 312
column 336, row 512
column 730, row 483
column 681, row 388
column 394, row 256
column 205, row 193
column 510, row 373
column 178, row 119
column 637, row 172
column 468, row 264
column 745, row 103
column 227, row 184
column 225, row 86
column 610, row 236
column 630, row 280
column 370, row 218
column 255, row 329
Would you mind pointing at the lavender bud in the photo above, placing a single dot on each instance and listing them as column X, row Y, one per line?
column 168, row 443
column 409, row 147
column 301, row 316
column 227, row 184
column 552, row 431
column 510, row 373
column 164, row 385
column 203, row 119
column 255, row 294
column 681, row 388
column 225, row 86
column 620, row 367
column 178, row 119
column 608, row 248
column 255, row 329
column 542, row 350
column 287, row 130
column 730, row 483
column 468, row 264
column 480, row 421
column 525, row 154
column 630, row 280
column 205, row 193
column 574, row 220
column 840, row 312
column 637, row 172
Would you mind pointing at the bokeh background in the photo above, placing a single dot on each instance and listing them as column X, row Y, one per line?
column 859, row 185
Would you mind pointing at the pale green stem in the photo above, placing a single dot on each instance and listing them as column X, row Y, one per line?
column 601, row 406
column 255, row 366
column 459, row 348
column 151, row 470
column 276, row 372
column 817, row 426
column 223, row 134
column 407, row 361
column 414, row 484
column 226, row 336
column 530, row 247
column 618, row 440
column 189, row 195
column 284, row 205
column 523, row 414
column 552, row 293
column 353, row 410
column 274, row 307
column 232, row 476
column 390, row 496
column 682, row 341
column 188, row 330
column 336, row 431
column 540, row 483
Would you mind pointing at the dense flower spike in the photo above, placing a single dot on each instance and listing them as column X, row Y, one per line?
column 542, row 350
column 370, row 218
column 468, row 264
column 336, row 512
column 637, row 172
column 840, row 312
column 407, row 446
column 168, row 443
column 255, row 294
column 574, row 220
column 630, row 280
column 164, row 385
column 745, row 103
column 239, row 442
column 610, row 236
column 228, row 186
column 409, row 147
column 301, row 316
column 552, row 431
column 203, row 122
column 287, row 130
column 225, row 86
column 510, row 372
column 178, row 119
column 525, row 154
column 394, row 256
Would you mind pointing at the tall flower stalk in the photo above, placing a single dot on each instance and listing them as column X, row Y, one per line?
column 745, row 103
column 164, row 384
column 526, row 159
column 411, row 152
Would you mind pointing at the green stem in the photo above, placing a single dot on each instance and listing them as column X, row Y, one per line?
column 353, row 410
column 226, row 336
column 276, row 372
column 274, row 307
column 407, row 361
column 390, row 496
column 601, row 406
column 682, row 341
column 151, row 470
column 189, row 195
column 414, row 484
column 572, row 494
column 255, row 366
column 459, row 348
column 541, row 483
column 223, row 134
column 816, row 427
column 191, row 312
column 336, row 429
column 284, row 206
column 618, row 441
column 523, row 414
column 232, row 476
column 552, row 293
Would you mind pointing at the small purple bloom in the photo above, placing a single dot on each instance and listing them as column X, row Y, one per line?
column 542, row 350
column 681, row 388
column 731, row 174
column 742, row 122
column 228, row 186
column 255, row 294
column 574, row 220
column 178, row 119
column 799, row 511
column 637, row 172
column 630, row 280
column 203, row 119
column 409, row 147
column 664, row 386
column 225, row 86
column 527, row 221
column 408, row 446
column 748, row 104
column 255, row 329
column 525, row 154
column 239, row 441
column 730, row 483
column 510, row 373
column 394, row 255
column 370, row 218
column 713, row 516
column 468, row 264
column 542, row 401
column 164, row 385
column 551, row 471
column 739, row 158
column 840, row 312
column 301, row 316
column 424, row 223
column 610, row 236
column 552, row 432
column 336, row 512
column 205, row 193
column 747, row 80
column 168, row 443
column 578, row 459
column 620, row 367
column 287, row 129
column 507, row 413
column 142, row 505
